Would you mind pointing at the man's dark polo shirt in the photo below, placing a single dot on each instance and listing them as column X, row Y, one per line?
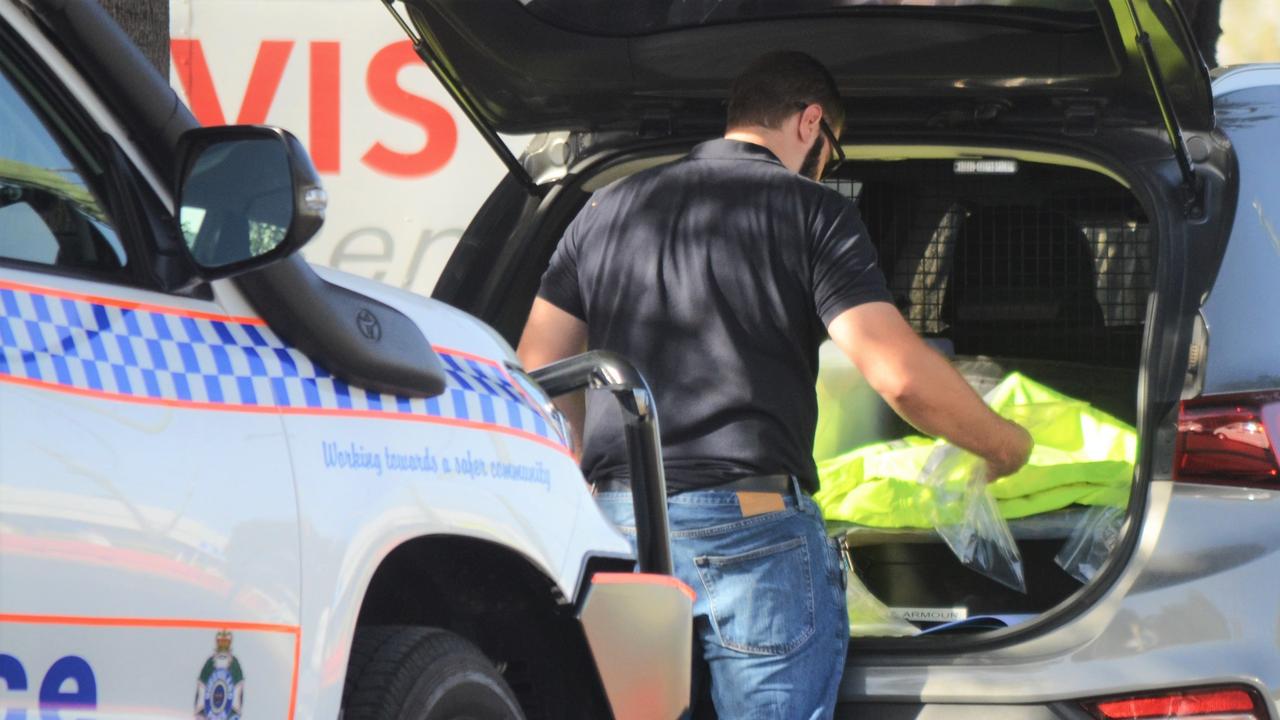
column 716, row 275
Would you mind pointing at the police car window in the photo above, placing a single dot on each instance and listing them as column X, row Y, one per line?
column 48, row 213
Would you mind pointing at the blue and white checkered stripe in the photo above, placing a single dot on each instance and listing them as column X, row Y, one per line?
column 145, row 354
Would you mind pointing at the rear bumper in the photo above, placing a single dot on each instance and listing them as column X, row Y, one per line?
column 1065, row 710
column 916, row 711
column 640, row 629
column 1195, row 606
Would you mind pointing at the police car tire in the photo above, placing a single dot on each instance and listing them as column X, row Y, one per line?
column 414, row 673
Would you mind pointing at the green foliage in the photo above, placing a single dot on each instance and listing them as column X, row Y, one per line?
column 264, row 237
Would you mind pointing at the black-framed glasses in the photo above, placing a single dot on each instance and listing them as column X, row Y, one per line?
column 837, row 152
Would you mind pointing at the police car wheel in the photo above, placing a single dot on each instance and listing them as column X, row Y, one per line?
column 414, row 673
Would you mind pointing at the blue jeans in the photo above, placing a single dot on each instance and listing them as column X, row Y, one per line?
column 769, row 620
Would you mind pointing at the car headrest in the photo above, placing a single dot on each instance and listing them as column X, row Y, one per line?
column 1020, row 264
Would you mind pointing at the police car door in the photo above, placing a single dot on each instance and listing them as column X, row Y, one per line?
column 148, row 527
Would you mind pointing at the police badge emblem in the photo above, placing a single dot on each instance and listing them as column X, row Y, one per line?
column 220, row 689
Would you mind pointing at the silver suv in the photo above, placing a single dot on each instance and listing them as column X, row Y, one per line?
column 1055, row 187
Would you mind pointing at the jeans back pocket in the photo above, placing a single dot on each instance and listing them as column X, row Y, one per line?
column 761, row 601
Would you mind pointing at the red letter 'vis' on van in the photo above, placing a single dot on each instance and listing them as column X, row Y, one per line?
column 442, row 132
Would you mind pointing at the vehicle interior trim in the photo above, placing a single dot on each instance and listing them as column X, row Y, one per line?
column 882, row 153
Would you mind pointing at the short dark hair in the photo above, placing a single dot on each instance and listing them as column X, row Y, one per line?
column 777, row 85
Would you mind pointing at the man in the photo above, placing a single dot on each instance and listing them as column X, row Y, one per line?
column 718, row 276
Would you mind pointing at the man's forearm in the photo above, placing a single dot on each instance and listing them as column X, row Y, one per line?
column 574, row 408
column 552, row 334
column 939, row 402
column 923, row 388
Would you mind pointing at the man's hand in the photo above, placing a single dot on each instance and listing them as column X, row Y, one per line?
column 552, row 334
column 924, row 389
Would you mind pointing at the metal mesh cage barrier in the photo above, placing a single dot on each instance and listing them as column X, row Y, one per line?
column 1048, row 263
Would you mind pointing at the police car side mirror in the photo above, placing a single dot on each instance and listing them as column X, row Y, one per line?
column 247, row 196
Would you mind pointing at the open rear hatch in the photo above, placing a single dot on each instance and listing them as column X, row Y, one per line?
column 662, row 67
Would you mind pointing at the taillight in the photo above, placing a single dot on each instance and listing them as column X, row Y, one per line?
column 1218, row 704
column 1229, row 439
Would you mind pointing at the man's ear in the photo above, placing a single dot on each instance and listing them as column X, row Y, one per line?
column 808, row 126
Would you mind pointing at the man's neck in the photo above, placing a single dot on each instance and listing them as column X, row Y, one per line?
column 767, row 138
column 749, row 135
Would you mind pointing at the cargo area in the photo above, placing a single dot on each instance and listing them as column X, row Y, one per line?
column 1005, row 266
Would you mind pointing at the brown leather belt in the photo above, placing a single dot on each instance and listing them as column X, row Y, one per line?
column 779, row 483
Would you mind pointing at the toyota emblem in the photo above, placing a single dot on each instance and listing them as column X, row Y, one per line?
column 369, row 325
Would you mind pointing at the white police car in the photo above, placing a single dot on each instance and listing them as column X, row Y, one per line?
column 234, row 488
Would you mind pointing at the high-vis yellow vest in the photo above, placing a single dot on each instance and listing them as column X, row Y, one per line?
column 1081, row 456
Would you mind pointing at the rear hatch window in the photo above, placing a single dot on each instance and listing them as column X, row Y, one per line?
column 663, row 67
column 637, row 18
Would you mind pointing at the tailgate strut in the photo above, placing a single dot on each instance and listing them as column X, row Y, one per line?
column 1189, row 181
column 465, row 102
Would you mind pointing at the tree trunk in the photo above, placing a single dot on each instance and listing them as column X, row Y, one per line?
column 147, row 22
